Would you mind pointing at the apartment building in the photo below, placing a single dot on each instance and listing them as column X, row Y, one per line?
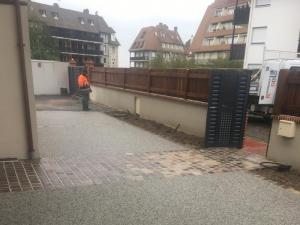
column 221, row 24
column 79, row 35
column 155, row 40
column 274, row 31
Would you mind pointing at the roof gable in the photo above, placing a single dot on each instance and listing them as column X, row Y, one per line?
column 69, row 19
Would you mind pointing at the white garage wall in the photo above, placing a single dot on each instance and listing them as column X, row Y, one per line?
column 49, row 77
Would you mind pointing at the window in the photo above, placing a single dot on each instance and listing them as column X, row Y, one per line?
column 142, row 44
column 227, row 25
column 230, row 11
column 212, row 27
column 43, row 13
column 113, row 37
column 263, row 3
column 209, row 41
column 54, row 15
column 259, row 35
column 91, row 22
column 228, row 39
column 218, row 12
column 81, row 20
column 242, row 38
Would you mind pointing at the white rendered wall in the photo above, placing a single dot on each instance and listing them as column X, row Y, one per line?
column 282, row 19
column 187, row 117
column 49, row 77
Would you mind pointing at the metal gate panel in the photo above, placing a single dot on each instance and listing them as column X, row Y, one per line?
column 227, row 108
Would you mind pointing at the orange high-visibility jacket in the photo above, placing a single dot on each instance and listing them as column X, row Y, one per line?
column 82, row 81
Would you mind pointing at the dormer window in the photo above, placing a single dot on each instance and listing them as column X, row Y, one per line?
column 143, row 35
column 113, row 37
column 55, row 15
column 91, row 22
column 81, row 20
column 43, row 13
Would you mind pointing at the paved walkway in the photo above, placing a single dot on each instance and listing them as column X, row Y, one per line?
column 227, row 198
column 121, row 174
column 84, row 148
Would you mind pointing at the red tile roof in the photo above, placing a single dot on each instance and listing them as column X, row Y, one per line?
column 152, row 37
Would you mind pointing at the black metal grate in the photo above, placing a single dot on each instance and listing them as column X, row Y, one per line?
column 227, row 108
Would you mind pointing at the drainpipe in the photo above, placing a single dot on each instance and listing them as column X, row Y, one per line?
column 21, row 46
column 233, row 32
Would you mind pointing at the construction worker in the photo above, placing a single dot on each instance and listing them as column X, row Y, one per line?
column 84, row 89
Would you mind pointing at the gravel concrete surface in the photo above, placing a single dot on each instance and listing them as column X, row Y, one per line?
column 66, row 134
column 229, row 198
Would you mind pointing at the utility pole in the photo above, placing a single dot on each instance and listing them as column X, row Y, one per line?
column 233, row 31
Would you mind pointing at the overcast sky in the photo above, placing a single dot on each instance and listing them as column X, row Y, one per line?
column 127, row 17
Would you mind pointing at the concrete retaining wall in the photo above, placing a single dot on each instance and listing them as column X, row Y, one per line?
column 189, row 116
column 284, row 150
column 49, row 77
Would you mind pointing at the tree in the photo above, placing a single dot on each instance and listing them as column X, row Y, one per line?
column 43, row 46
column 223, row 63
column 158, row 62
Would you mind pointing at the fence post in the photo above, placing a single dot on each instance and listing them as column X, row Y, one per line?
column 105, row 78
column 149, row 80
column 124, row 78
column 281, row 92
column 186, row 88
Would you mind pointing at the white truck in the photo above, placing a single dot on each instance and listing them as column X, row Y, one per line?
column 264, row 84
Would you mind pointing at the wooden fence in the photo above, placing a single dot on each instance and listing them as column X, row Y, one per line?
column 182, row 83
column 288, row 93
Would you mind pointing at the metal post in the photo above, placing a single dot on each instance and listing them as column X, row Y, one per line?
column 233, row 32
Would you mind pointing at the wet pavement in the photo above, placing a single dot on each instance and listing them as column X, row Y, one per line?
column 100, row 167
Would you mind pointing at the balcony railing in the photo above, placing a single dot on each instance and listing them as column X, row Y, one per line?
column 81, row 51
column 241, row 15
column 238, row 51
column 139, row 58
column 72, row 34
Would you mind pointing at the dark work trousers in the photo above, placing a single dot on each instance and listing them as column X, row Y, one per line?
column 85, row 98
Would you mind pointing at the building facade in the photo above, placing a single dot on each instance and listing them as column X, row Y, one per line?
column 79, row 35
column 221, row 26
column 153, row 41
column 19, row 138
column 274, row 31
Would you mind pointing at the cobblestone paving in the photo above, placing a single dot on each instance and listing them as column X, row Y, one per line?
column 17, row 176
column 112, row 166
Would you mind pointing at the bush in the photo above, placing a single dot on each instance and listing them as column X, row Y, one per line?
column 182, row 62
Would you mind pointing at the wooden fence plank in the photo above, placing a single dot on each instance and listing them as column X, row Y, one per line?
column 181, row 83
column 287, row 99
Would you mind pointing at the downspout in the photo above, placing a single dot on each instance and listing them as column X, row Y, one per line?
column 21, row 46
column 233, row 32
